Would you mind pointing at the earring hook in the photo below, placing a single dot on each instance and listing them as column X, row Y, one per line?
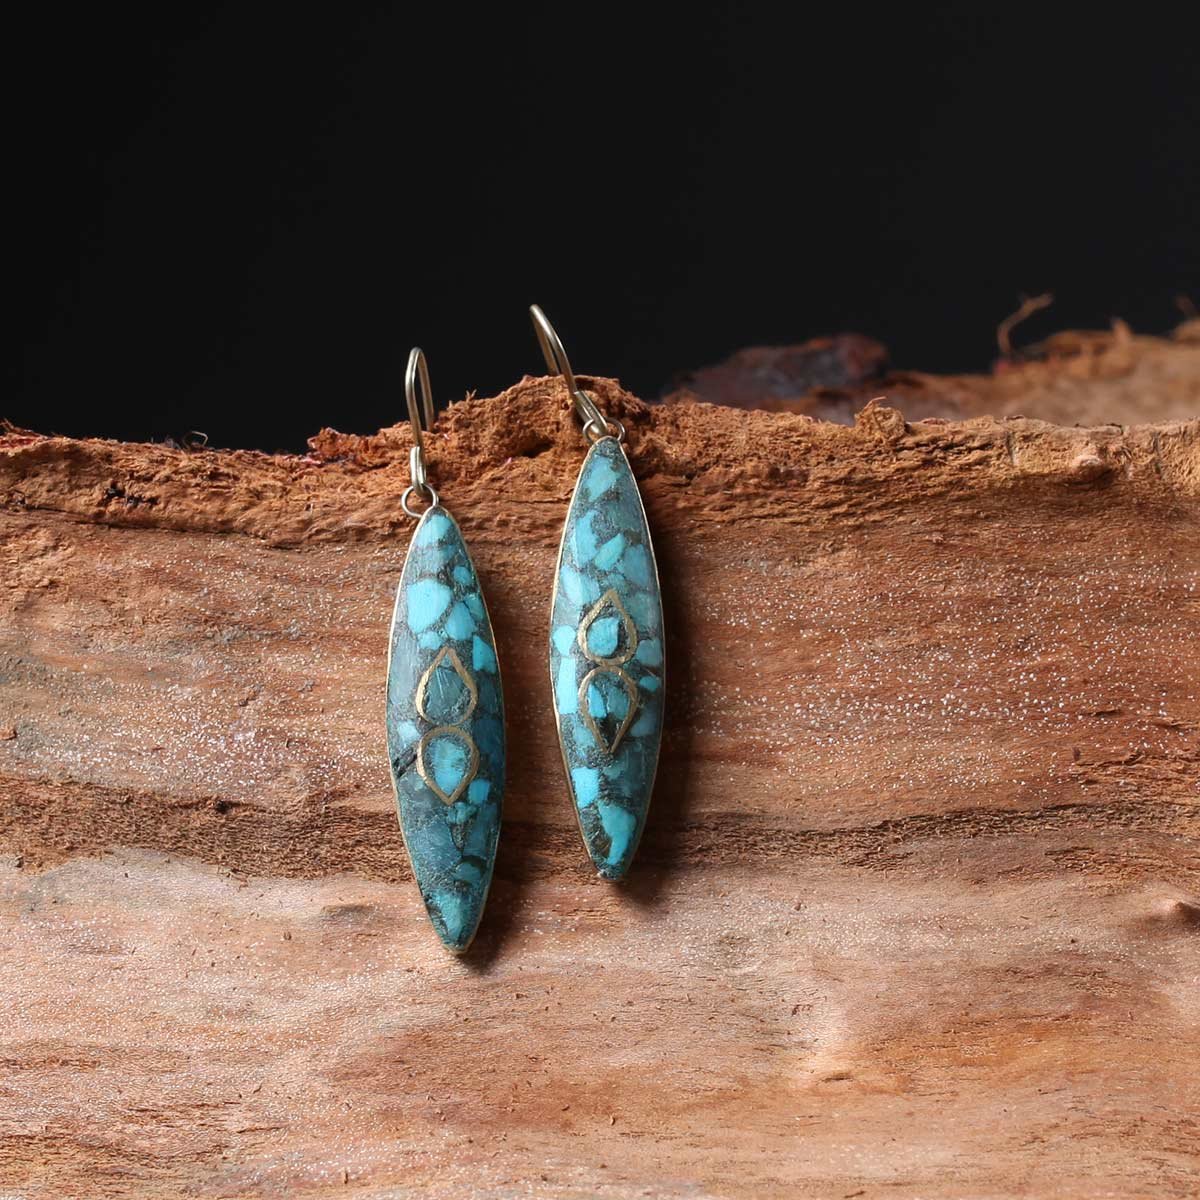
column 419, row 396
column 595, row 424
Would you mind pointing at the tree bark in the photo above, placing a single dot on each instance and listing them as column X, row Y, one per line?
column 1091, row 377
column 918, row 908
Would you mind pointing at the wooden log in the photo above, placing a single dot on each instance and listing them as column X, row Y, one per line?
column 918, row 908
column 1095, row 377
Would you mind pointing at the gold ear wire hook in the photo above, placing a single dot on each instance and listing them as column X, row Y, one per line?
column 595, row 423
column 420, row 416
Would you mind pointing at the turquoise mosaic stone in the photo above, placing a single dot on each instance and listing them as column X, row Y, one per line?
column 606, row 658
column 445, row 727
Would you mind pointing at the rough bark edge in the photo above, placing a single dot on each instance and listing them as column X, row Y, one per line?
column 524, row 447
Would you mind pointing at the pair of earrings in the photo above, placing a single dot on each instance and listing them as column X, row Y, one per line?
column 445, row 706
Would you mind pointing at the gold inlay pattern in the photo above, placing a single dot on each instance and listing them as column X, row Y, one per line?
column 610, row 599
column 590, row 721
column 610, row 665
column 427, row 775
column 449, row 654
column 423, row 683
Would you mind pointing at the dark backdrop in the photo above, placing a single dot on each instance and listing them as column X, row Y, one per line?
column 237, row 218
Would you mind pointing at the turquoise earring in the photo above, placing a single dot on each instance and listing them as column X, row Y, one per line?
column 445, row 708
column 606, row 637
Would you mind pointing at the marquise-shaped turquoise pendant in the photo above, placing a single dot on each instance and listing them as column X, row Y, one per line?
column 445, row 727
column 606, row 657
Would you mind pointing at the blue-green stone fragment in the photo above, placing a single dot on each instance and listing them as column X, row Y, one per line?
column 604, row 636
column 445, row 727
column 607, row 586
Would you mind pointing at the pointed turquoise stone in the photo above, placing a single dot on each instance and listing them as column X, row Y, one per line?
column 606, row 658
column 445, row 727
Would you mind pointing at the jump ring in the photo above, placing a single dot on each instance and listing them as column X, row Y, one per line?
column 408, row 491
column 592, row 432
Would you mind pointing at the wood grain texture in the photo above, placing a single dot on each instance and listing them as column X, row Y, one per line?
column 917, row 913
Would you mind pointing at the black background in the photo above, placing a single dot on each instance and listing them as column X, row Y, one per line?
column 237, row 218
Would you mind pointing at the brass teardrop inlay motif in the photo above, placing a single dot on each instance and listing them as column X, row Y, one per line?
column 428, row 774
column 585, row 710
column 610, row 599
column 423, row 685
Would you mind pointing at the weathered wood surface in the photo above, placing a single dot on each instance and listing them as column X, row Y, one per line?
column 918, row 909
column 1091, row 377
